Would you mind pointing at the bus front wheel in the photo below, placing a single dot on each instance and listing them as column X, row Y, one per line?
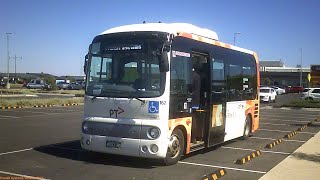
column 175, row 147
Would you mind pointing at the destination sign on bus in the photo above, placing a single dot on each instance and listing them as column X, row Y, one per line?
column 124, row 47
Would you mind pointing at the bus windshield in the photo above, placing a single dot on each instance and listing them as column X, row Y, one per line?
column 126, row 65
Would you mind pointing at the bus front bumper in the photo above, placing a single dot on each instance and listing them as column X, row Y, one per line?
column 125, row 146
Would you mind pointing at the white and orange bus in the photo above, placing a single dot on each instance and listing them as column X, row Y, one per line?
column 159, row 90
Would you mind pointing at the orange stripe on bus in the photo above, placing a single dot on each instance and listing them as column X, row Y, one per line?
column 187, row 35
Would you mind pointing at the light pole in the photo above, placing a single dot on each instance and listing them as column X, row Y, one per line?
column 8, row 55
column 301, row 67
column 234, row 37
column 15, row 66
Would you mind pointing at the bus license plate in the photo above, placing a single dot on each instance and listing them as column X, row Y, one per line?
column 113, row 144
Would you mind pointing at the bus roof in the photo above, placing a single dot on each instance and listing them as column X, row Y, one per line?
column 172, row 28
column 179, row 29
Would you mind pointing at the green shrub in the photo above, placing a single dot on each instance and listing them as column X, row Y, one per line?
column 52, row 82
column 303, row 104
column 38, row 102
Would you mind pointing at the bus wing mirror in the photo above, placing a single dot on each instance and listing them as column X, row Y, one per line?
column 85, row 64
column 164, row 62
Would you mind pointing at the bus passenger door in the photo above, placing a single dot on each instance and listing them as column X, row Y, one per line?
column 218, row 101
column 200, row 97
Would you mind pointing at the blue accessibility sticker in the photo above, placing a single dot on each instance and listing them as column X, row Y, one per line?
column 153, row 107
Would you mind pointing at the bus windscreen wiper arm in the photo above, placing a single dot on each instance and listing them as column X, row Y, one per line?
column 93, row 98
column 143, row 101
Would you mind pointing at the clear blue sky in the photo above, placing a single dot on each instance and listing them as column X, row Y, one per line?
column 53, row 36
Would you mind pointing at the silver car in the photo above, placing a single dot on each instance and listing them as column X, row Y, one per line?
column 37, row 84
column 76, row 86
column 311, row 94
column 62, row 85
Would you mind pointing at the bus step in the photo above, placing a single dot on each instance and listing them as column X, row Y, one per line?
column 197, row 146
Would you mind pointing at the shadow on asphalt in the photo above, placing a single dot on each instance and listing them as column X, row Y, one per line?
column 308, row 157
column 72, row 150
column 212, row 148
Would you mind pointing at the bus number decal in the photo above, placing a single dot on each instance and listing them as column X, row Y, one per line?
column 163, row 103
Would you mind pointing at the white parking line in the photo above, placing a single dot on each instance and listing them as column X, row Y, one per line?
column 276, row 124
column 288, row 120
column 275, row 130
column 230, row 168
column 11, row 152
column 2, row 116
column 288, row 116
column 277, row 139
column 20, row 175
column 243, row 149
column 52, row 146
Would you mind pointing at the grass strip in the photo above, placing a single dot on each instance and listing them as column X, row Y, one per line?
column 33, row 91
column 38, row 102
column 303, row 104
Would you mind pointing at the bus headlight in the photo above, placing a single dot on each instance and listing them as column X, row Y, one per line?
column 85, row 127
column 154, row 133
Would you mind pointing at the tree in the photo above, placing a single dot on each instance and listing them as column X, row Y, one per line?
column 51, row 80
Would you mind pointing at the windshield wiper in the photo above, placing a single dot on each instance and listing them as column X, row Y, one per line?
column 93, row 98
column 143, row 101
column 130, row 97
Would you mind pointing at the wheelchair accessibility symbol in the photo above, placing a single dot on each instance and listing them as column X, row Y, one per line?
column 153, row 107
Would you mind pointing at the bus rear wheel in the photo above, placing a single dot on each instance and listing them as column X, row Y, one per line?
column 247, row 128
column 175, row 147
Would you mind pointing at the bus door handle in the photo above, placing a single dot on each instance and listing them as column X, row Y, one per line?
column 200, row 110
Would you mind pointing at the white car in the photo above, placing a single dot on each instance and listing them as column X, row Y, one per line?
column 279, row 90
column 311, row 94
column 267, row 94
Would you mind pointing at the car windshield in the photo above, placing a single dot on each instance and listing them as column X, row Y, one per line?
column 265, row 90
column 306, row 90
column 126, row 65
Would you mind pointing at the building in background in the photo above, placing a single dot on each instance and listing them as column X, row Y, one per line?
column 315, row 76
column 276, row 73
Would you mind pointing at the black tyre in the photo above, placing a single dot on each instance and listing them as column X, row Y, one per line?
column 269, row 100
column 175, row 147
column 247, row 128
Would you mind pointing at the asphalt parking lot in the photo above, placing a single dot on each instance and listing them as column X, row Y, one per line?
column 44, row 142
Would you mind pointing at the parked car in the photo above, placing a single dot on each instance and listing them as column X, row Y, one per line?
column 76, row 86
column 295, row 89
column 267, row 94
column 38, row 84
column 62, row 85
column 3, row 84
column 285, row 87
column 311, row 94
column 279, row 90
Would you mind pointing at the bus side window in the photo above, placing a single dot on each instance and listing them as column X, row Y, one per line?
column 218, row 83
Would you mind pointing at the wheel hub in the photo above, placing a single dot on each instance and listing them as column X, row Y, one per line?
column 174, row 146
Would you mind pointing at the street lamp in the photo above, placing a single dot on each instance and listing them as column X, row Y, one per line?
column 234, row 37
column 15, row 66
column 8, row 56
column 301, row 67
